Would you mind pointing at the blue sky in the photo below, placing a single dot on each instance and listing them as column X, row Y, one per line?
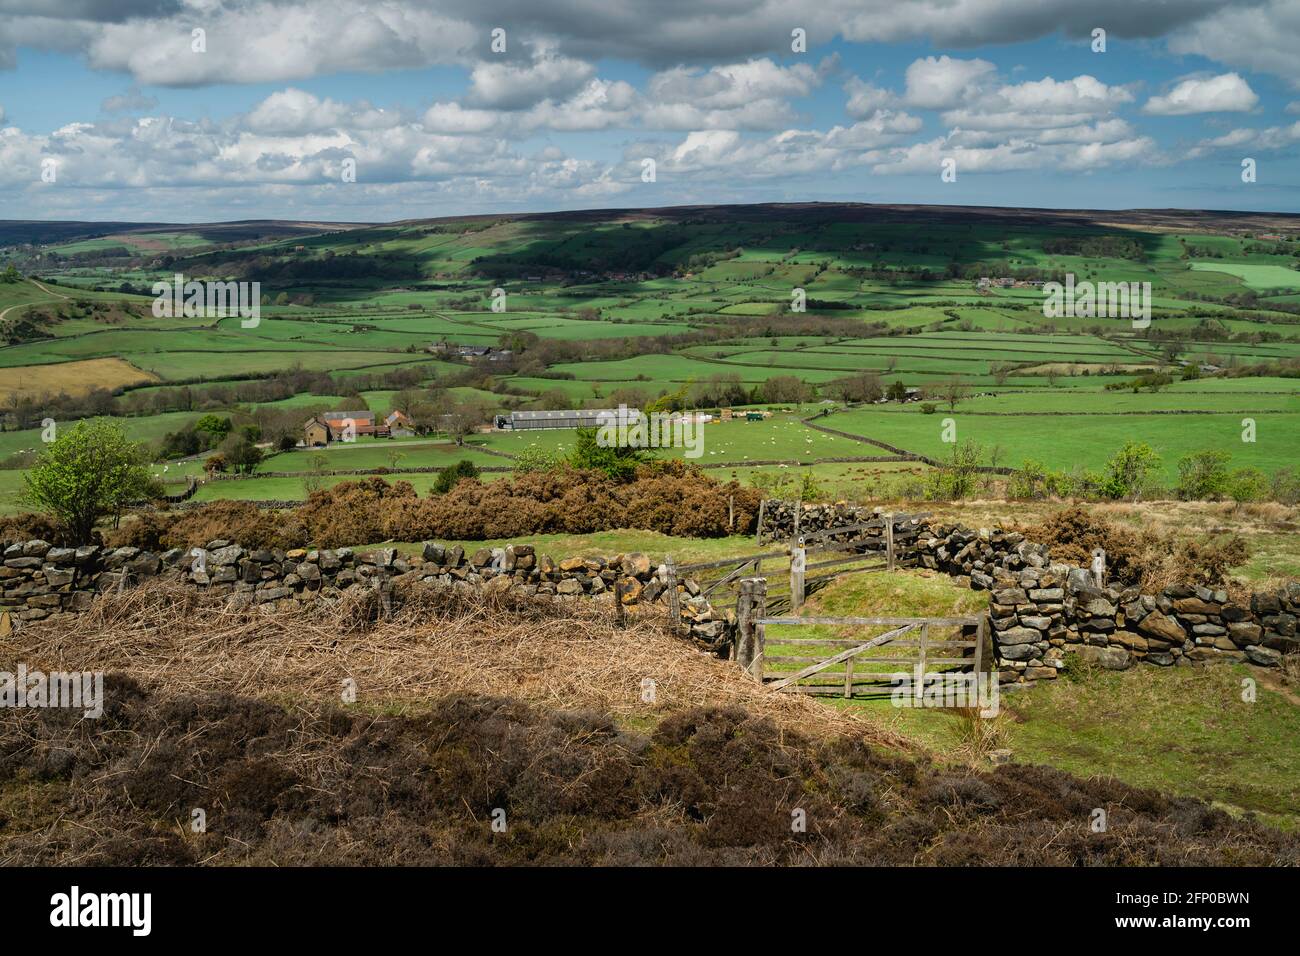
column 113, row 111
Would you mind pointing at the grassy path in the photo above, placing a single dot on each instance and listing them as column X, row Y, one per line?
column 23, row 305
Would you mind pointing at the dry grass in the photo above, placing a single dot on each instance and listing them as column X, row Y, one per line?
column 236, row 712
column 1291, row 667
column 435, row 643
column 978, row 736
column 72, row 378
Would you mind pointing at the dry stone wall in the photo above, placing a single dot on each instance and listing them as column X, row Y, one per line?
column 783, row 521
column 44, row 583
column 1041, row 611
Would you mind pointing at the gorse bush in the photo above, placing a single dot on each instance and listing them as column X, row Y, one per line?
column 668, row 497
column 1035, row 480
column 1139, row 557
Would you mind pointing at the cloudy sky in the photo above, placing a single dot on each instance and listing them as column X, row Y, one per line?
column 208, row 110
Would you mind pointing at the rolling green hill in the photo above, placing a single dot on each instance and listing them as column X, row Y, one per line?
column 714, row 304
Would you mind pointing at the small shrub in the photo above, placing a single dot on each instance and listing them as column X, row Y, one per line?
column 452, row 475
column 1203, row 476
column 537, row 459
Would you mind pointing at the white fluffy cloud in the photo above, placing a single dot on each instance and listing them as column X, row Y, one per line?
column 512, row 86
column 163, row 152
column 752, row 95
column 1226, row 93
column 1017, row 155
column 733, row 85
column 404, row 33
column 935, row 83
column 294, row 111
column 1038, row 104
column 866, row 98
column 741, row 96
column 1262, row 36
column 260, row 42
column 1268, row 138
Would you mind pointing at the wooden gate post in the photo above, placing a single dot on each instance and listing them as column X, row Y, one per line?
column 981, row 637
column 758, row 534
column 674, row 599
column 742, row 647
column 750, row 640
column 798, row 563
column 889, row 541
column 920, row 663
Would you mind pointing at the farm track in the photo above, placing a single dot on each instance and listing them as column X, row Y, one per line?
column 23, row 305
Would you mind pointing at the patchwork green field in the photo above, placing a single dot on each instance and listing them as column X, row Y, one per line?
column 795, row 309
column 1065, row 440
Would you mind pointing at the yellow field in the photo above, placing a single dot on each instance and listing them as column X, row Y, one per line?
column 74, row 378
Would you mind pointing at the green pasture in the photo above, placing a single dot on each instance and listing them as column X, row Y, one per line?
column 1084, row 440
column 1255, row 276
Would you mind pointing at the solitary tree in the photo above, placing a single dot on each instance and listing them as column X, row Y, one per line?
column 241, row 454
column 460, row 419
column 88, row 472
column 617, row 461
column 955, row 391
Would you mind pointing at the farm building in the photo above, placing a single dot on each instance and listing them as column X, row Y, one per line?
column 316, row 433
column 568, row 418
column 399, row 425
column 363, row 421
column 472, row 353
column 332, row 426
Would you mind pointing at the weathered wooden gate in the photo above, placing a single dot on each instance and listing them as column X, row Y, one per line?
column 873, row 545
column 836, row 664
